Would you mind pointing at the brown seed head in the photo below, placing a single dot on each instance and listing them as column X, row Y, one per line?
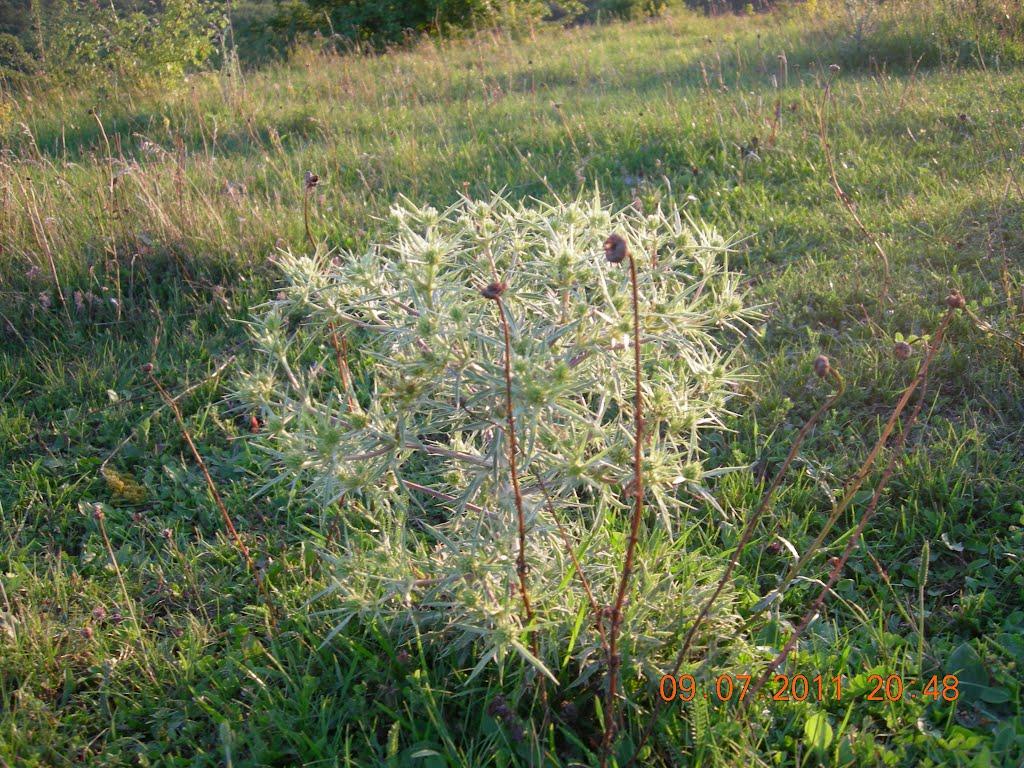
column 901, row 350
column 311, row 180
column 147, row 368
column 494, row 290
column 956, row 300
column 822, row 366
column 615, row 250
column 97, row 512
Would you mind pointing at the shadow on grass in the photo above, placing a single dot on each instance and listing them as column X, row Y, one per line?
column 679, row 60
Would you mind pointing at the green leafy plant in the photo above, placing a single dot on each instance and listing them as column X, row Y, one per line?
column 14, row 60
column 84, row 40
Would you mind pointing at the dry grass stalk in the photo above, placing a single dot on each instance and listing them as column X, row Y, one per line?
column 843, row 197
column 920, row 382
column 823, row 368
column 225, row 516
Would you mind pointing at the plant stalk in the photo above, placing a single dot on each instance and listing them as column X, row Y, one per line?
column 745, row 537
column 634, row 527
column 920, row 381
column 522, row 568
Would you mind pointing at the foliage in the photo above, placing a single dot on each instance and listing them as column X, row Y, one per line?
column 83, row 40
column 625, row 9
column 381, row 21
column 13, row 56
column 428, row 424
column 15, row 63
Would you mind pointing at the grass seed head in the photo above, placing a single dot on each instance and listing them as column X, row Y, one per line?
column 311, row 180
column 901, row 350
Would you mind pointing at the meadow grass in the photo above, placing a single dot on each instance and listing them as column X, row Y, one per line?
column 159, row 215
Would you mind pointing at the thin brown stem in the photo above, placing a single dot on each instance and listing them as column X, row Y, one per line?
column 522, row 568
column 305, row 218
column 745, row 537
column 845, row 199
column 225, row 516
column 340, row 345
column 634, row 527
column 99, row 516
column 584, row 581
column 851, row 489
column 920, row 381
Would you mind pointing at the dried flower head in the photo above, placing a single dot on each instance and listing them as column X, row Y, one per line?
column 97, row 512
column 615, row 250
column 312, row 180
column 901, row 350
column 494, row 290
column 956, row 300
column 147, row 367
column 822, row 366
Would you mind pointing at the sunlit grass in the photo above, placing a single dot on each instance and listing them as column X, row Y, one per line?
column 177, row 216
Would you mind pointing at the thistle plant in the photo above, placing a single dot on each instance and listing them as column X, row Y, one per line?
column 437, row 525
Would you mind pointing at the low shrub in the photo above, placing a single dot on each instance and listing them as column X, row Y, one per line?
column 16, row 65
column 85, row 41
column 412, row 450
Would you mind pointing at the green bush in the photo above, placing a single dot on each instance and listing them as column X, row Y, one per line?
column 13, row 57
column 84, row 41
column 627, row 9
column 255, row 35
column 16, row 65
column 384, row 21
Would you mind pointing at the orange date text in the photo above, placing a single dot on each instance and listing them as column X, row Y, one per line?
column 798, row 688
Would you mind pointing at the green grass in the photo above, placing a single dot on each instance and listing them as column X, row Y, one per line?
column 206, row 679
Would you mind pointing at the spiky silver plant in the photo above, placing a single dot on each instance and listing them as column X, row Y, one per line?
column 417, row 457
